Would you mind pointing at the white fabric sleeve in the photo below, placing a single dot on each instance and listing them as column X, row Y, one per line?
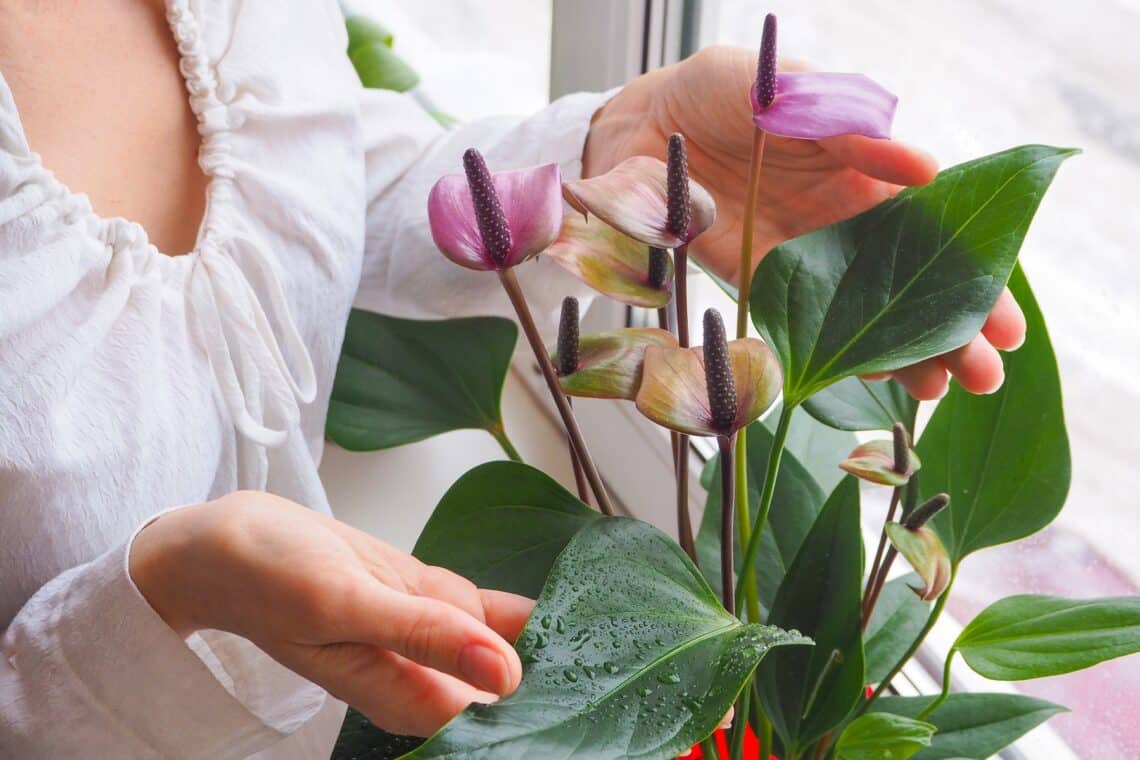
column 406, row 152
column 90, row 670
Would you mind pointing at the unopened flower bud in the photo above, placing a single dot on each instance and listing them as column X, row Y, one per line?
column 658, row 267
column 677, row 166
column 718, row 373
column 568, row 348
column 493, row 227
column 766, row 67
column 924, row 512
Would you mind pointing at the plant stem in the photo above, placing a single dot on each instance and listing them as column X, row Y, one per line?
column 753, row 547
column 681, row 292
column 746, row 237
column 764, row 729
column 870, row 602
column 709, row 749
column 518, row 300
column 727, row 503
column 576, row 465
column 684, row 520
column 681, row 300
column 898, row 666
column 945, row 687
column 739, row 726
column 744, row 522
column 499, row 433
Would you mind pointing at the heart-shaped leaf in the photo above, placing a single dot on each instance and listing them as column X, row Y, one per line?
column 896, row 622
column 883, row 736
column 973, row 726
column 1032, row 636
column 627, row 654
column 501, row 526
column 806, row 692
column 795, row 506
column 400, row 380
column 1003, row 458
column 910, row 279
column 857, row 404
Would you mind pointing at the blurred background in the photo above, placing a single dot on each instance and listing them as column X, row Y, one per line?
column 973, row 77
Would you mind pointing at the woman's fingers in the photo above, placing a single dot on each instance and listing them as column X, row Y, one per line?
column 926, row 381
column 1005, row 327
column 976, row 366
column 888, row 160
column 506, row 613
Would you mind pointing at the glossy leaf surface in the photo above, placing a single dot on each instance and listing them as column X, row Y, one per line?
column 628, row 654
column 857, row 404
column 910, row 279
column 883, row 736
column 897, row 620
column 1004, row 458
column 974, row 726
column 1032, row 636
column 806, row 692
column 502, row 525
column 400, row 381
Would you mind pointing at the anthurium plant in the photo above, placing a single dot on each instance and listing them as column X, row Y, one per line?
column 774, row 611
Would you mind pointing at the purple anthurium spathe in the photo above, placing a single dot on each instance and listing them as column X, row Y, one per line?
column 633, row 198
column 494, row 221
column 925, row 552
column 611, row 364
column 812, row 105
column 612, row 263
column 876, row 462
column 710, row 390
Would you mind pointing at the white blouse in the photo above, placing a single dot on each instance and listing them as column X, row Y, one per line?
column 132, row 382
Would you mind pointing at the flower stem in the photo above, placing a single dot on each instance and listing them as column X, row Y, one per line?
column 709, row 750
column 870, row 602
column 945, row 688
column 746, row 237
column 518, row 300
column 576, row 465
column 680, row 472
column 727, row 502
column 744, row 523
column 681, row 292
column 753, row 547
column 681, row 299
column 499, row 433
column 873, row 578
column 739, row 726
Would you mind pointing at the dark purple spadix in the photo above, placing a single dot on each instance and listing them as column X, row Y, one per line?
column 902, row 448
column 568, row 354
column 766, row 67
column 679, row 205
column 923, row 513
column 718, row 373
column 658, row 267
column 493, row 227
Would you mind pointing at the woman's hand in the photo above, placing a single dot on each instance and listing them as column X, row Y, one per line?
column 407, row 644
column 804, row 185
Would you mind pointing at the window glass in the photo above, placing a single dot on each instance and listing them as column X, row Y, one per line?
column 976, row 77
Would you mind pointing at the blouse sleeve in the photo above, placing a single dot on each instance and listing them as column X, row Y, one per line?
column 406, row 152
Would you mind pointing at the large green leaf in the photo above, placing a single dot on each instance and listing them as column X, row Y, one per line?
column 400, row 380
column 808, row 692
column 910, row 279
column 795, row 505
column 1031, row 636
column 897, row 620
column 628, row 654
column 857, row 404
column 1003, row 458
column 974, row 726
column 502, row 525
column 883, row 736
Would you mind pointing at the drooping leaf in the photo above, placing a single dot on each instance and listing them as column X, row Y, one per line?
column 627, row 654
column 400, row 381
column 974, row 726
column 857, row 404
column 795, row 505
column 1003, row 458
column 502, row 525
column 883, row 736
column 1032, row 636
column 808, row 692
column 910, row 279
column 897, row 620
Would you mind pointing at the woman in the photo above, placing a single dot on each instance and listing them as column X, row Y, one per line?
column 171, row 584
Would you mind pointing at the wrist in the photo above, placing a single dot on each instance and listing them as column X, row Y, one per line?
column 160, row 563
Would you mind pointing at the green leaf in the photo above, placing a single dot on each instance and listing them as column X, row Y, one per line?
column 379, row 67
column 897, row 620
column 359, row 739
column 975, row 726
column 364, row 31
column 1031, row 636
column 910, row 279
column 808, row 692
column 1003, row 458
column 627, row 654
column 795, row 505
column 857, row 404
column 400, row 381
column 502, row 525
column 883, row 736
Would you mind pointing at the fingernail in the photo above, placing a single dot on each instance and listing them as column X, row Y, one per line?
column 483, row 668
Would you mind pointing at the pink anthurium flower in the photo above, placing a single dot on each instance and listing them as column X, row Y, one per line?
column 496, row 221
column 634, row 197
column 710, row 390
column 612, row 263
column 813, row 105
